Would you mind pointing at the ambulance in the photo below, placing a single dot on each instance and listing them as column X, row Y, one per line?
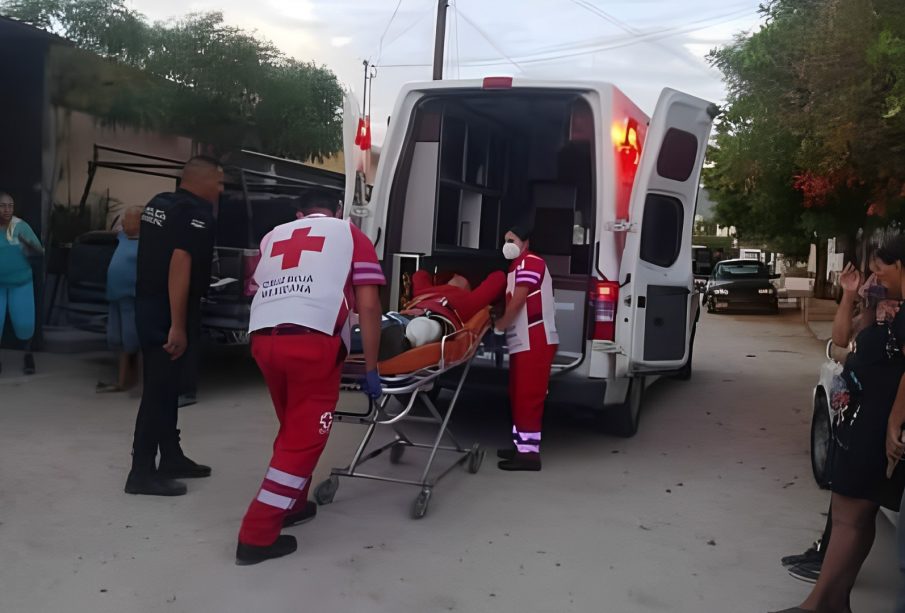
column 611, row 193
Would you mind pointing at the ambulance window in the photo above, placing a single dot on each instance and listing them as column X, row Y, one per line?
column 661, row 230
column 677, row 155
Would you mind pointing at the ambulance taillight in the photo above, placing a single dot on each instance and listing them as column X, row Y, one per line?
column 604, row 297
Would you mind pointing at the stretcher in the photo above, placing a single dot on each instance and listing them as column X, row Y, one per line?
column 409, row 378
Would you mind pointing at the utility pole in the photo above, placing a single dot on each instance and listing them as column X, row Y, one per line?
column 440, row 39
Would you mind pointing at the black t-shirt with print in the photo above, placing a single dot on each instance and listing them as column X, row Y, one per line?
column 170, row 221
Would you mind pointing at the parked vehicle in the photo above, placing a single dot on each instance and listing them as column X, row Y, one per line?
column 260, row 193
column 612, row 193
column 743, row 285
column 822, row 422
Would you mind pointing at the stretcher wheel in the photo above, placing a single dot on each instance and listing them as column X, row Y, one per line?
column 419, row 507
column 326, row 490
column 396, row 453
column 475, row 458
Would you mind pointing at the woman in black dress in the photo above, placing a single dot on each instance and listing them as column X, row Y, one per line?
column 872, row 372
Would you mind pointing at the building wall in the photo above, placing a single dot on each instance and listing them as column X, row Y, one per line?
column 76, row 135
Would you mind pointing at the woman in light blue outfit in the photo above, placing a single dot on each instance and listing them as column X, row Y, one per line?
column 17, row 293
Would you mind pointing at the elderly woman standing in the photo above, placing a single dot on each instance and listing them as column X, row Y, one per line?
column 17, row 295
column 873, row 374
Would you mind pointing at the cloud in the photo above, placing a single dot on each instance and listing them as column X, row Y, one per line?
column 340, row 41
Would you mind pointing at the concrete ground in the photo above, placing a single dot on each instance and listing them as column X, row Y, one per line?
column 691, row 515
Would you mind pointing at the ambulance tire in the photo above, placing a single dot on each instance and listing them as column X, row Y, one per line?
column 623, row 419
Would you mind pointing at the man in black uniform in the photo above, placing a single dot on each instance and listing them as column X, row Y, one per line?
column 174, row 266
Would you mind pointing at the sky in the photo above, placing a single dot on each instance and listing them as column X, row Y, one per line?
column 641, row 46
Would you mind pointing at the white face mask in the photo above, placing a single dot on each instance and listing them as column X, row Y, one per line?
column 511, row 251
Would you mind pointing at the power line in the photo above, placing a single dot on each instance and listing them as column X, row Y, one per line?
column 387, row 29
column 409, row 27
column 629, row 29
column 606, row 44
column 486, row 37
column 742, row 8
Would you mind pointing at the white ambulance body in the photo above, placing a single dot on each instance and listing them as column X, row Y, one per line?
column 612, row 194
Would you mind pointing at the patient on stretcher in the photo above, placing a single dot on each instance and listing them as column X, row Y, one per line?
column 436, row 310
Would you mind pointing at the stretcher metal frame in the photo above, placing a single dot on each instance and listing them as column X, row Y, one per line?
column 416, row 385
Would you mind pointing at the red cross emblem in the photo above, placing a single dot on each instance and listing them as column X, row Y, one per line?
column 291, row 249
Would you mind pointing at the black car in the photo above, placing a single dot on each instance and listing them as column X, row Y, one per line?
column 742, row 285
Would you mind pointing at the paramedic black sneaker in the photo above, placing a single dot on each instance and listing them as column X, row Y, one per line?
column 246, row 555
column 507, row 453
column 811, row 555
column 29, row 364
column 808, row 572
column 521, row 461
column 153, row 485
column 301, row 517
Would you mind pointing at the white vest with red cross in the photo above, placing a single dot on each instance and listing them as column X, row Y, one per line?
column 539, row 310
column 302, row 276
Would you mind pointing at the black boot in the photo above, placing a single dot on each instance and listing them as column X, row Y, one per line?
column 308, row 513
column 174, row 464
column 521, row 461
column 151, row 484
column 29, row 364
column 507, row 453
column 247, row 555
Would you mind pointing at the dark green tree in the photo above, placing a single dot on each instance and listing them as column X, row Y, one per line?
column 812, row 143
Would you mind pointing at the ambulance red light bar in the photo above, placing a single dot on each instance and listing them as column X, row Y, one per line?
column 498, row 83
column 603, row 297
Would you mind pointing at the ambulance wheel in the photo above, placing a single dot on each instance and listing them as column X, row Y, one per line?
column 396, row 453
column 625, row 417
column 475, row 459
column 326, row 490
column 419, row 507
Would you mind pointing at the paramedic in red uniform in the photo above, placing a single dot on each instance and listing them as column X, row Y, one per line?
column 312, row 273
column 532, row 340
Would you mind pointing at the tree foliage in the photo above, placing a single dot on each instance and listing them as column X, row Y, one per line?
column 813, row 136
column 205, row 78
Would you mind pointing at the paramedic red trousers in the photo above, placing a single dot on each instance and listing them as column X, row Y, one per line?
column 302, row 371
column 529, row 378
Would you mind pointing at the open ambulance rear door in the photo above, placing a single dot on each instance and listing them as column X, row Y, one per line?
column 351, row 126
column 654, row 314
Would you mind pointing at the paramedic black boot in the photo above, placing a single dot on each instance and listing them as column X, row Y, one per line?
column 507, row 453
column 521, row 461
column 308, row 513
column 175, row 465
column 246, row 555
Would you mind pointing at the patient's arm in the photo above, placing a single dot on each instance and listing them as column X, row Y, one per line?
column 490, row 290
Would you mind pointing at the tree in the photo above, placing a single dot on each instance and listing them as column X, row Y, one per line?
column 812, row 143
column 213, row 81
